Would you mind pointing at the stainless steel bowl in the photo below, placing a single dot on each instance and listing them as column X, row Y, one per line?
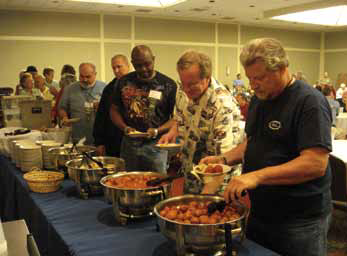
column 60, row 155
column 136, row 203
column 89, row 176
column 199, row 238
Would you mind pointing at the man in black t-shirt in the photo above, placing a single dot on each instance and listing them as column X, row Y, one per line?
column 285, row 156
column 107, row 136
column 143, row 101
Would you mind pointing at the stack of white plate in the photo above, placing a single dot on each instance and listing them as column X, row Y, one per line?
column 30, row 156
column 16, row 146
column 46, row 157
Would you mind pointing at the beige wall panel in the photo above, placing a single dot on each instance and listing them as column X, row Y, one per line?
column 166, row 57
column 336, row 40
column 20, row 54
column 16, row 23
column 227, row 61
column 307, row 62
column 335, row 63
column 289, row 38
column 117, row 27
column 227, row 34
column 112, row 49
column 174, row 30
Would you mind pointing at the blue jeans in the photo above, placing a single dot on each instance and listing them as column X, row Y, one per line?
column 141, row 155
column 297, row 238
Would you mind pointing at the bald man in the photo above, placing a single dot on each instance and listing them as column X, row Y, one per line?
column 79, row 100
column 143, row 101
column 107, row 136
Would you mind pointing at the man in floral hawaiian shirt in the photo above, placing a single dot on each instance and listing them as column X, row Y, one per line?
column 206, row 115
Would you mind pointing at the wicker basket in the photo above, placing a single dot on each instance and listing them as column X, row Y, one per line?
column 43, row 181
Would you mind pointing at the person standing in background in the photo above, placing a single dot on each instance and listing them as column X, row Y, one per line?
column 67, row 77
column 243, row 103
column 334, row 105
column 27, row 83
column 80, row 100
column 107, row 136
column 40, row 85
column 238, row 81
column 52, row 85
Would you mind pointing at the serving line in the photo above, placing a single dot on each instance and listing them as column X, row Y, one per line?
column 63, row 224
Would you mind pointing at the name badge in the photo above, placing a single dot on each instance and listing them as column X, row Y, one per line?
column 155, row 94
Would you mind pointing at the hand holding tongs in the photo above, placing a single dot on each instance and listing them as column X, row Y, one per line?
column 220, row 206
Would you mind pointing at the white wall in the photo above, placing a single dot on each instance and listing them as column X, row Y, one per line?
column 54, row 39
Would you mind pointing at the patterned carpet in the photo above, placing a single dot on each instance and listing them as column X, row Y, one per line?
column 337, row 236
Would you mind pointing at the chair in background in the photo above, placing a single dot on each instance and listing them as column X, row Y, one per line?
column 339, row 182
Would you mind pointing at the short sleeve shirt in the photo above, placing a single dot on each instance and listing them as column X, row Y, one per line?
column 216, row 130
column 145, row 104
column 277, row 131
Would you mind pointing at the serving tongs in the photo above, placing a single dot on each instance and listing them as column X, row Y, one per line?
column 100, row 164
column 74, row 147
column 157, row 181
column 220, row 206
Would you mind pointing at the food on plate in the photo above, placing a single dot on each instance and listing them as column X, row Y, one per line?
column 131, row 181
column 211, row 168
column 196, row 213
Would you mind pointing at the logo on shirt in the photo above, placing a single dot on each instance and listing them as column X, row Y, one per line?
column 275, row 125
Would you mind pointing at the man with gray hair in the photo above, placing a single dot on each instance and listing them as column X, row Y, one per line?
column 285, row 157
column 80, row 100
column 206, row 117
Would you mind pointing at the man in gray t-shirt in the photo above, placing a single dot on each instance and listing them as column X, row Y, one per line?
column 80, row 100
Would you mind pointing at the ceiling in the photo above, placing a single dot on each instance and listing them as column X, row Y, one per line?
column 249, row 12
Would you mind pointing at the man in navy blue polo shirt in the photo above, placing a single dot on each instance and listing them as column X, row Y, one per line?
column 285, row 156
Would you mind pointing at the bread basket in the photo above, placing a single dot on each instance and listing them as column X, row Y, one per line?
column 43, row 181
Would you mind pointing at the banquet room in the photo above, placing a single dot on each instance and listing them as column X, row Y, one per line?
column 79, row 172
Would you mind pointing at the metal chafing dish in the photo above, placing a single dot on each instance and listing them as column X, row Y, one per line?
column 201, row 239
column 135, row 203
column 60, row 155
column 87, row 174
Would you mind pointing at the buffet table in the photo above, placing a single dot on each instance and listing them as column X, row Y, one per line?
column 63, row 224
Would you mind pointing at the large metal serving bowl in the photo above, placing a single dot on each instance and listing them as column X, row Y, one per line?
column 199, row 238
column 136, row 203
column 61, row 155
column 84, row 175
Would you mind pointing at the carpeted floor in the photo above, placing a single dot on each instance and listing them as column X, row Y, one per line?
column 337, row 236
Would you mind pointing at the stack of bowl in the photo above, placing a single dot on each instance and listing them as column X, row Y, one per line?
column 46, row 157
column 30, row 156
column 16, row 151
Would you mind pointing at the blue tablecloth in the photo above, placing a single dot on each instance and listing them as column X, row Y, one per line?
column 63, row 224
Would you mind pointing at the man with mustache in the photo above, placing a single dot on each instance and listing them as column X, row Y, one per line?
column 80, row 100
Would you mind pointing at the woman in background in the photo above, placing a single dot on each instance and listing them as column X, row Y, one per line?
column 27, row 83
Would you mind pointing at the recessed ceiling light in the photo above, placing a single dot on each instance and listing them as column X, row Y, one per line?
column 213, row 14
column 330, row 16
column 228, row 18
column 177, row 11
column 212, row 1
column 146, row 3
column 252, row 6
column 143, row 10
